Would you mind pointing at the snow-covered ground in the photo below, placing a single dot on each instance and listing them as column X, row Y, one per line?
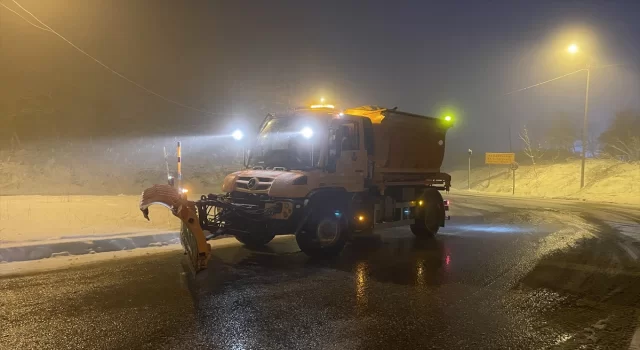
column 28, row 219
column 25, row 219
column 605, row 181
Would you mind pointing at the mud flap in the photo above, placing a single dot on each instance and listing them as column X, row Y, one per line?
column 192, row 236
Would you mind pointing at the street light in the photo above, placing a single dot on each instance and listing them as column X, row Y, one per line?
column 573, row 49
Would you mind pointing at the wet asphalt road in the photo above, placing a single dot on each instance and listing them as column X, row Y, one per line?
column 503, row 274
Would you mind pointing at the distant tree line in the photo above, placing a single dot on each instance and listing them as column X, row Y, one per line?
column 561, row 139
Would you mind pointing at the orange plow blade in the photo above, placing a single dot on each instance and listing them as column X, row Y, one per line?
column 192, row 236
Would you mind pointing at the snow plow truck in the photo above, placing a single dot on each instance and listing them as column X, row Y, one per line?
column 326, row 177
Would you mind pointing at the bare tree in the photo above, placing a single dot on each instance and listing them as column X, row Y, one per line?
column 625, row 150
column 532, row 149
column 593, row 146
column 561, row 134
column 621, row 141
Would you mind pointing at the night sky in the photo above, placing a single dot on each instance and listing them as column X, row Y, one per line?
column 243, row 59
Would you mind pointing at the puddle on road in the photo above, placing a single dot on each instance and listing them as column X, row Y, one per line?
column 503, row 223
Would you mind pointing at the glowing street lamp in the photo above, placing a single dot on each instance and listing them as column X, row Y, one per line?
column 573, row 49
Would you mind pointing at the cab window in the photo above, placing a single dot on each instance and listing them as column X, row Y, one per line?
column 350, row 139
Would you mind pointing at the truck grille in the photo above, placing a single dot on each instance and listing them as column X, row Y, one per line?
column 253, row 184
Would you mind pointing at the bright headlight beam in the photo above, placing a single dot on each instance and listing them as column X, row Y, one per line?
column 237, row 135
column 306, row 132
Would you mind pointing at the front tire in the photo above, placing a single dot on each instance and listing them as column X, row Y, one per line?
column 324, row 237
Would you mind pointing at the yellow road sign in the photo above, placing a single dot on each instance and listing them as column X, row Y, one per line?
column 499, row 158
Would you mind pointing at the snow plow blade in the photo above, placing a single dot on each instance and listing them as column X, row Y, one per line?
column 192, row 236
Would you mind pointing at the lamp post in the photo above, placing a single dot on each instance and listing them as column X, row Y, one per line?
column 574, row 49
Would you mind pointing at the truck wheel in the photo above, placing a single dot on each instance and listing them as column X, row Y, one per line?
column 255, row 239
column 324, row 237
column 429, row 218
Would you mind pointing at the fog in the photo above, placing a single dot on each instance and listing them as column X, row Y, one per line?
column 194, row 68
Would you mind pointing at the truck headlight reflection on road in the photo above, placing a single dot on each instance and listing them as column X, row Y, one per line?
column 492, row 228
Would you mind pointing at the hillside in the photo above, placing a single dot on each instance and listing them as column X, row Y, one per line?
column 131, row 168
column 105, row 169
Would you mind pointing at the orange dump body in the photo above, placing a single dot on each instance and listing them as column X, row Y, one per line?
column 405, row 142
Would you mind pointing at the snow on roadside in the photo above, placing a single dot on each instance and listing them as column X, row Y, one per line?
column 606, row 181
column 63, row 218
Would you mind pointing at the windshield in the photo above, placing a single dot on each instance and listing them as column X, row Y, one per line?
column 293, row 142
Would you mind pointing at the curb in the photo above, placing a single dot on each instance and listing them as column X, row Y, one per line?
column 86, row 246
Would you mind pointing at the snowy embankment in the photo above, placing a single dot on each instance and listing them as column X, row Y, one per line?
column 605, row 181
column 37, row 227
column 59, row 218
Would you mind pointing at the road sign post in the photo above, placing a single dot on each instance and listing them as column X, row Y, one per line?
column 469, row 174
column 514, row 167
column 502, row 159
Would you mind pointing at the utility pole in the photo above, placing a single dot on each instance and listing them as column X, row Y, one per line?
column 584, row 130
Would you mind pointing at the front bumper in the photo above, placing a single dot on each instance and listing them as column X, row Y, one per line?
column 285, row 212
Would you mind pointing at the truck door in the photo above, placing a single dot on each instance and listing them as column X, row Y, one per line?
column 350, row 154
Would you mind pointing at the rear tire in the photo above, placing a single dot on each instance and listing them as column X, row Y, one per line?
column 428, row 219
column 323, row 237
column 255, row 239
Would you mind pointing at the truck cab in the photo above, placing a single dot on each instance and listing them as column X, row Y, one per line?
column 297, row 152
